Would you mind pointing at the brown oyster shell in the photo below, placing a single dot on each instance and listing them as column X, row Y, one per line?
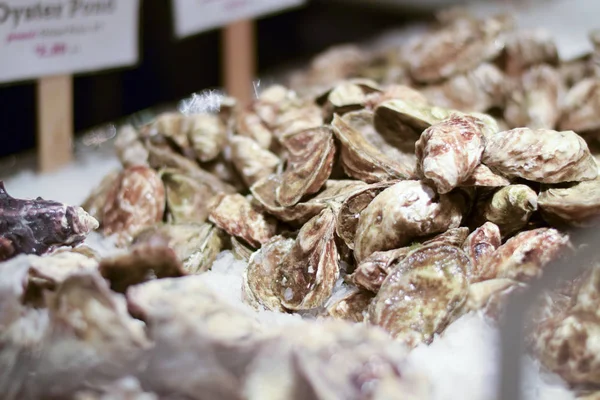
column 260, row 277
column 457, row 48
column 252, row 161
column 409, row 119
column 362, row 160
column 333, row 192
column 524, row 256
column 480, row 245
column 353, row 205
column 195, row 246
column 479, row 90
column 207, row 135
column 172, row 126
column 423, row 294
column 309, row 164
column 310, row 269
column 94, row 203
column 240, row 250
column 575, row 205
column 347, row 96
column 453, row 237
column 580, row 107
column 187, row 198
column 351, row 305
column 576, row 70
column 484, row 177
column 526, row 48
column 406, row 210
column 448, row 152
column 489, row 296
column 299, row 117
column 395, row 91
column 372, row 271
column 129, row 148
column 135, row 200
column 250, row 125
column 235, row 215
column 510, row 208
column 143, row 261
column 540, row 155
column 536, row 103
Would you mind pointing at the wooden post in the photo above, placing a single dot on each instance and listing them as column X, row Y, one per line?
column 55, row 122
column 239, row 60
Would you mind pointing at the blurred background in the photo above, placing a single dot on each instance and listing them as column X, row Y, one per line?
column 170, row 69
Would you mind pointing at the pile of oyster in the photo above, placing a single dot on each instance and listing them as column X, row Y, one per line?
column 415, row 188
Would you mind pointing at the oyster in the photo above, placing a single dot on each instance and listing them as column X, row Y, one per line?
column 523, row 256
column 580, row 107
column 350, row 304
column 488, row 296
column 575, row 205
column 448, row 152
column 457, row 48
column 484, row 177
column 240, row 250
column 38, row 226
column 352, row 206
column 187, row 198
column 400, row 117
column 361, row 159
column 310, row 269
column 347, row 96
column 172, row 126
column 299, row 117
column 540, row 155
column 478, row 90
column 251, row 161
column 423, row 294
column 401, row 213
column 235, row 215
column 525, row 49
column 195, row 246
column 135, row 200
column 127, row 388
column 510, row 208
column 249, row 124
column 207, row 135
column 96, row 200
column 394, row 91
column 453, row 237
column 536, row 104
column 480, row 245
column 309, row 164
column 260, row 277
column 129, row 148
column 372, row 271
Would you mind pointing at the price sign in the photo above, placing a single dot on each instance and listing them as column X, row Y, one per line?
column 194, row 16
column 49, row 37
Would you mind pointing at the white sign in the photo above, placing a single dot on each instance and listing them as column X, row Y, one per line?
column 194, row 16
column 49, row 37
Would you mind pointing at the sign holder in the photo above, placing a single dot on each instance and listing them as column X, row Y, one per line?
column 55, row 122
column 239, row 59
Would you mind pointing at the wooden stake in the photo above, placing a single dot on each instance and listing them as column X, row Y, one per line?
column 239, row 60
column 55, row 122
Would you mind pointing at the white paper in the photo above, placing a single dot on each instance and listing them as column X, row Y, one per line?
column 194, row 16
column 50, row 37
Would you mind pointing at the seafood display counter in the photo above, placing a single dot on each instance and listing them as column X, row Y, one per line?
column 356, row 232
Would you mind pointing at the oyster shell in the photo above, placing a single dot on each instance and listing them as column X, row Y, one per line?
column 448, row 152
column 172, row 126
column 235, row 215
column 96, row 200
column 480, row 245
column 195, row 246
column 536, row 104
column 310, row 269
column 484, row 177
column 457, row 48
column 527, row 48
column 510, row 208
column 260, row 277
column 309, row 164
column 347, row 96
column 240, row 250
column 540, row 155
column 187, row 198
column 575, row 205
column 38, row 226
column 361, row 159
column 402, row 212
column 207, row 135
column 250, row 125
column 409, row 119
column 580, row 107
column 135, row 200
column 350, row 305
column 372, row 271
column 423, row 294
column 488, row 296
column 453, row 237
column 129, row 148
column 523, row 256
column 251, row 161
column 352, row 206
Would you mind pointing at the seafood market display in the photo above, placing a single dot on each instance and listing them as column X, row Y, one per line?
column 379, row 196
